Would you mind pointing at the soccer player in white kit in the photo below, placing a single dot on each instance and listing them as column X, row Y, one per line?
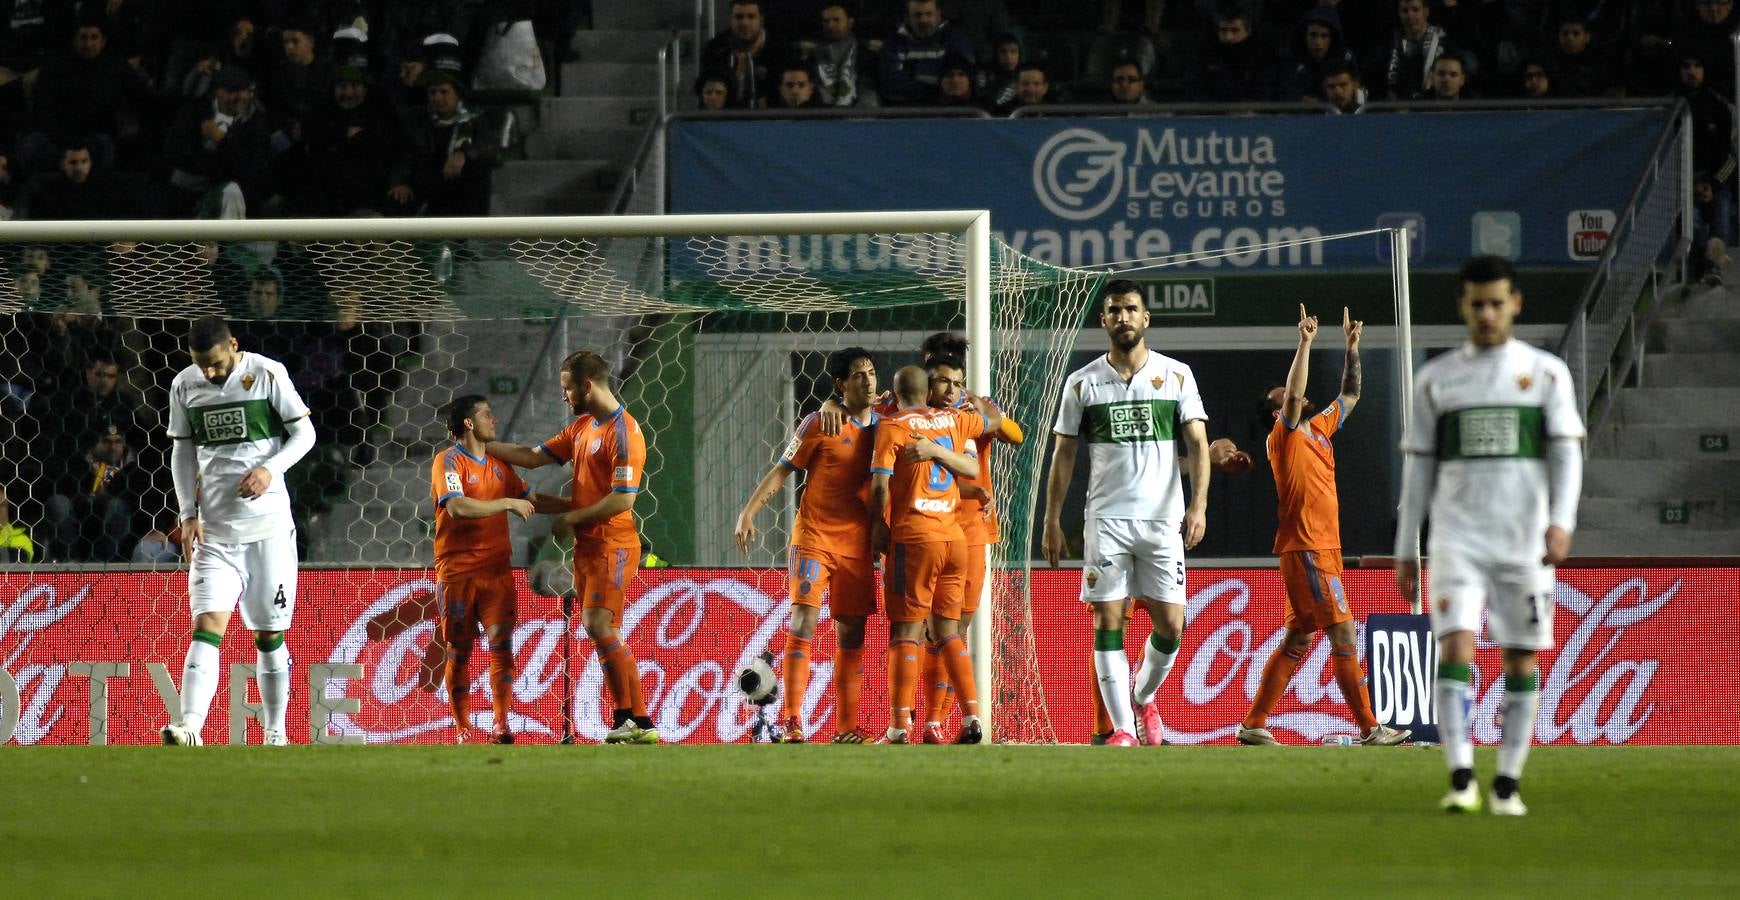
column 238, row 425
column 1130, row 406
column 1494, row 445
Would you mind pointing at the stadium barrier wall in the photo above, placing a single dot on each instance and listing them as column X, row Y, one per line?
column 1643, row 657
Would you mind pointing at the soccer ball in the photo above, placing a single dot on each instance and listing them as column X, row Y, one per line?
column 757, row 681
column 551, row 578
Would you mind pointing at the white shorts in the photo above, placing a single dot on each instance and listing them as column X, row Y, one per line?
column 261, row 575
column 1517, row 599
column 1132, row 558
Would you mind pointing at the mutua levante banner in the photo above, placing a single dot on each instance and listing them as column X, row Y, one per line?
column 1542, row 187
column 1644, row 657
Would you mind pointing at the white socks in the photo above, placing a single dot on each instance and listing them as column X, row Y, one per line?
column 1156, row 663
column 1453, row 701
column 272, row 672
column 199, row 681
column 1113, row 668
column 1522, row 699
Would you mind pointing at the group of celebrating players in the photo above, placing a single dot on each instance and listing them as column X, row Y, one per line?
column 904, row 479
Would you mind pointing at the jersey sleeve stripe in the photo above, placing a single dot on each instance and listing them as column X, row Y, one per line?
column 621, row 438
column 787, row 463
column 442, row 500
column 622, row 489
column 876, row 471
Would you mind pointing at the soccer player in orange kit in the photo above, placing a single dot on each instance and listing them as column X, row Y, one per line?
column 1309, row 540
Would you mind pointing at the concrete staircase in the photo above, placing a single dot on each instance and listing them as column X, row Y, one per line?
column 587, row 133
column 1663, row 476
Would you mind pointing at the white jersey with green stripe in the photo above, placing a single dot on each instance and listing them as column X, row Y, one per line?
column 1486, row 415
column 234, row 427
column 1131, row 431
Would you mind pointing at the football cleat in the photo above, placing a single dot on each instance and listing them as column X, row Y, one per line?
column 179, row 736
column 849, row 737
column 275, row 738
column 643, row 735
column 794, row 732
column 1385, row 736
column 1122, row 739
column 501, row 735
column 1507, row 806
column 621, row 734
column 1150, row 731
column 465, row 734
column 1466, row 800
column 1257, row 737
column 971, row 732
column 893, row 736
column 1099, row 738
column 933, row 734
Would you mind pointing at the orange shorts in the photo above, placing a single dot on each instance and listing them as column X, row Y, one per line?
column 1315, row 599
column 466, row 603
column 973, row 583
column 850, row 583
column 925, row 579
column 602, row 573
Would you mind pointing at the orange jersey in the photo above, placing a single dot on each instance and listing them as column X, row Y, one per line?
column 465, row 547
column 608, row 454
column 1303, row 460
column 979, row 527
column 834, row 514
column 923, row 497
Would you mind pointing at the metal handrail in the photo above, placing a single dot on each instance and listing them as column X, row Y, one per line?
column 836, row 112
column 1297, row 107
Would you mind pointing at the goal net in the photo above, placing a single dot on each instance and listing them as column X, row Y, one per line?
column 717, row 330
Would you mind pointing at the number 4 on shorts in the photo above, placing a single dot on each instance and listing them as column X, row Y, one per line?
column 279, row 600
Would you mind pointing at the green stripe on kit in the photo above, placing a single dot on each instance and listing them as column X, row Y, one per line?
column 1130, row 421
column 1455, row 671
column 1108, row 640
column 1164, row 645
column 234, row 423
column 208, row 637
column 269, row 644
column 1523, row 683
column 1493, row 432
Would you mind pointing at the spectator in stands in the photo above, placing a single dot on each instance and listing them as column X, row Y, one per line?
column 1415, row 46
column 713, row 90
column 1449, row 80
column 87, row 95
column 1537, row 82
column 912, row 58
column 1128, row 85
column 1578, row 67
column 959, row 85
column 79, row 190
column 797, row 86
column 1712, row 230
column 1341, row 88
column 1317, row 41
column 447, row 167
column 844, row 70
column 980, row 21
column 1713, row 151
column 15, row 543
column 749, row 54
column 297, row 84
column 29, row 32
column 1240, row 66
column 1112, row 15
column 997, row 89
column 1032, row 88
column 238, row 48
column 96, row 493
column 218, row 151
column 1706, row 35
column 351, row 141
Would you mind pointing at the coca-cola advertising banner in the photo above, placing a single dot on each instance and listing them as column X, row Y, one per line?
column 1644, row 656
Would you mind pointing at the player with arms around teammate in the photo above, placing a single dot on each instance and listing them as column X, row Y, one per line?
column 913, row 498
column 830, row 542
column 1308, row 541
column 1494, row 446
column 1130, row 406
column 474, row 493
column 238, row 425
column 608, row 451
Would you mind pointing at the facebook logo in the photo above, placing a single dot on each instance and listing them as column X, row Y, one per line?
column 1497, row 234
column 1414, row 222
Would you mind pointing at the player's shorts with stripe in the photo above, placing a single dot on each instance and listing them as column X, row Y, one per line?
column 1132, row 558
column 1517, row 599
column 849, row 582
column 1315, row 598
column 602, row 573
column 259, row 575
column 973, row 590
column 467, row 603
column 925, row 579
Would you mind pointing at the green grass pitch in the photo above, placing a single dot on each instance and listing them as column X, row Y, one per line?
column 863, row 821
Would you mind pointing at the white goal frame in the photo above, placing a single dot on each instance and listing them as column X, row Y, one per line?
column 973, row 224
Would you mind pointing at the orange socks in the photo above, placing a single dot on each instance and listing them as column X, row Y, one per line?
column 939, row 696
column 501, row 679
column 849, row 670
column 1276, row 673
column 1352, row 681
column 796, row 674
column 622, row 676
column 458, row 677
column 902, row 680
column 957, row 660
